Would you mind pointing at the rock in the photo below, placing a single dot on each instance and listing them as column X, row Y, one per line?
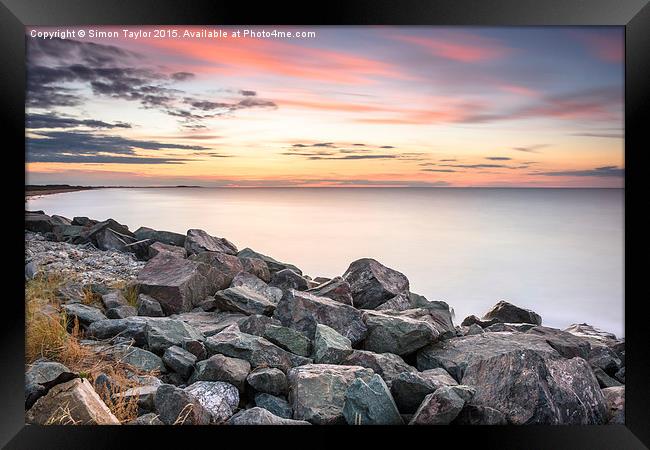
column 167, row 238
column 71, row 292
column 329, row 346
column 105, row 383
column 143, row 395
column 31, row 270
column 474, row 329
column 111, row 235
column 276, row 405
column 604, row 358
column 179, row 360
column 39, row 222
column 84, row 314
column 41, row 376
column 620, row 375
column 268, row 380
column 114, row 299
column 438, row 408
column 464, row 392
column 261, row 416
column 615, row 400
column 148, row 306
column 273, row 294
column 198, row 241
column 209, row 323
column 195, row 347
column 387, row 365
column 593, row 334
column 139, row 358
column 288, row 279
column 288, row 339
column 273, row 265
column 473, row 320
column 69, row 233
column 373, row 283
column 337, row 289
column 121, row 312
column 83, row 221
column 129, row 328
column 176, row 406
column 256, row 324
column 146, row 419
column 604, row 380
column 396, row 334
column 256, row 267
column 158, row 247
column 226, row 265
column 164, row 332
column 521, row 376
column 566, row 344
column 178, row 284
column 505, row 312
column 243, row 300
column 302, row 311
column 370, row 403
column 480, row 415
column 410, row 388
column 317, row 391
column 223, row 368
column 218, row 398
column 74, row 402
column 254, row 349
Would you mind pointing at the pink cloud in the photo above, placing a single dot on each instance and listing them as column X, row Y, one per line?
column 462, row 47
column 606, row 47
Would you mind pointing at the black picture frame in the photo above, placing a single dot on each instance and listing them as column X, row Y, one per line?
column 634, row 15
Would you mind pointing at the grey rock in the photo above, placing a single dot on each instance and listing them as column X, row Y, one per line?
column 303, row 311
column 218, row 398
column 317, row 391
column 274, row 404
column 410, row 388
column 615, row 400
column 387, row 365
column 593, row 334
column 40, row 223
column 329, row 346
column 113, row 299
column 256, row 267
column 139, row 358
column 223, row 368
column 474, row 329
column 31, row 270
column 209, row 323
column 143, row 395
column 161, row 237
column 288, row 339
column 337, row 289
column 273, row 265
column 243, row 300
column 226, row 265
column 195, row 347
column 473, row 320
column 373, row 283
column 604, row 380
column 146, row 419
column 620, row 375
column 40, row 376
column 164, row 332
column 157, row 247
column 506, row 312
column 179, row 360
column 198, row 241
column 256, row 324
column 71, row 292
column 254, row 283
column 480, row 415
column 268, row 380
column 288, row 279
column 175, row 406
column 604, row 358
column 149, row 306
column 566, row 344
column 439, row 408
column 370, row 403
column 84, row 314
column 121, row 312
column 261, row 416
column 129, row 328
column 83, row 221
column 396, row 334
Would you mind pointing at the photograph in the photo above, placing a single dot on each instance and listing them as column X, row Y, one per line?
column 449, row 202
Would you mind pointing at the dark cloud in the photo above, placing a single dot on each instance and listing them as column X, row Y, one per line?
column 248, row 93
column 530, row 148
column 601, row 135
column 386, row 146
column 498, row 158
column 605, row 171
column 182, row 76
column 40, row 121
column 106, row 159
column 438, row 170
column 448, row 160
column 475, row 166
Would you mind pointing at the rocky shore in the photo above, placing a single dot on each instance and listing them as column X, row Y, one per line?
column 210, row 334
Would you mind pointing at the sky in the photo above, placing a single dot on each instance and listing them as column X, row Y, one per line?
column 370, row 106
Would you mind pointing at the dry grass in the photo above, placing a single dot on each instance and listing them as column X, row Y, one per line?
column 62, row 416
column 129, row 291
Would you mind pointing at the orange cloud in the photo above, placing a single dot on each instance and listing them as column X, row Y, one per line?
column 460, row 47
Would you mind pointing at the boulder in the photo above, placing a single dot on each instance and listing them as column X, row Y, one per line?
column 303, row 311
column 69, row 233
column 256, row 324
column 218, row 398
column 226, row 265
column 254, row 283
column 143, row 395
column 121, row 312
column 288, row 339
column 373, row 284
column 73, row 402
column 209, row 323
column 164, row 332
column 254, row 349
column 158, row 247
column 272, row 264
column 41, row 376
column 615, row 400
column 111, row 235
column 566, row 344
column 179, row 360
column 195, row 347
column 438, row 408
column 317, row 391
column 604, row 358
column 387, row 365
column 223, row 368
column 83, row 221
column 370, row 403
column 129, row 328
column 593, row 334
column 521, row 376
column 473, row 329
column 139, row 358
column 146, row 419
column 268, row 380
column 39, row 222
column 149, row 306
column 337, row 289
column 396, row 334
column 256, row 267
column 243, row 300
column 176, row 406
column 329, row 346
column 473, row 320
column 198, row 241
column 113, row 299
column 261, row 416
column 168, row 238
column 84, row 314
column 274, row 404
column 604, row 380
column 410, row 388
column 177, row 284
column 288, row 279
column 480, row 415
column 505, row 312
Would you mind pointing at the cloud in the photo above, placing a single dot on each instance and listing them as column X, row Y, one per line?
column 608, row 47
column 601, row 135
column 39, row 121
column 530, row 148
column 106, row 159
column 460, row 47
column 438, row 170
column 336, row 151
column 248, row 93
column 605, row 171
column 498, row 158
column 448, row 160
column 475, row 166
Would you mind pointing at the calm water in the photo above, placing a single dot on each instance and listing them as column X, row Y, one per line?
column 557, row 251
